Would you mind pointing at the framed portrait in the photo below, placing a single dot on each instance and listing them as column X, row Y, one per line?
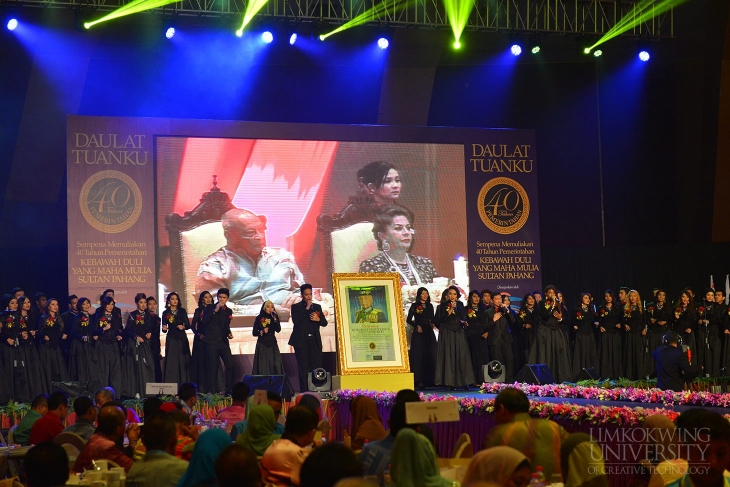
column 371, row 332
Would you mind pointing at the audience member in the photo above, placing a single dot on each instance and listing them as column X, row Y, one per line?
column 414, row 462
column 581, row 461
column 237, row 410
column 312, row 401
column 259, row 434
column 328, row 464
column 201, row 471
column 188, row 394
column 185, row 434
column 366, row 422
column 237, row 466
column 38, row 409
column 282, row 461
column 500, row 464
column 103, row 443
column 85, row 418
column 51, row 424
column 705, row 438
column 151, row 406
column 158, row 467
column 107, row 394
column 539, row 439
column 274, row 400
column 46, row 465
column 662, row 463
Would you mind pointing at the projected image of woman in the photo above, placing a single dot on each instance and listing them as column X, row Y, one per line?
column 394, row 234
column 381, row 181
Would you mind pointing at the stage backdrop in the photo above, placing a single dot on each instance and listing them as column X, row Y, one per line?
column 146, row 199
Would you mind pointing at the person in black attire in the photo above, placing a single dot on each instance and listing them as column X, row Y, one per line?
column 475, row 332
column 40, row 300
column 673, row 369
column 217, row 322
column 723, row 312
column 423, row 343
column 15, row 381
column 137, row 362
column 686, row 322
column 659, row 316
column 267, row 358
column 68, row 317
column 50, row 334
column 307, row 318
column 107, row 333
column 551, row 343
column 636, row 355
column 498, row 323
column 527, row 321
column 155, row 324
column 708, row 334
column 585, row 354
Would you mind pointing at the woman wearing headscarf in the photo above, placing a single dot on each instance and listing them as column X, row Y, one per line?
column 259, row 434
column 267, row 358
column 414, row 462
column 503, row 465
column 582, row 462
column 423, row 343
column 201, row 471
column 366, row 422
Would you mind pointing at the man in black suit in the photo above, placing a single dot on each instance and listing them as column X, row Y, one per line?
column 305, row 338
column 499, row 337
column 673, row 368
column 217, row 321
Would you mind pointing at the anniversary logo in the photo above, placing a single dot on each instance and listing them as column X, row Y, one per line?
column 503, row 205
column 110, row 201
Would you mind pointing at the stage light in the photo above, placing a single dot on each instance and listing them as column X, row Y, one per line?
column 12, row 24
column 597, row 53
column 644, row 55
column 170, row 32
column 534, row 45
column 587, row 50
column 292, row 39
column 457, row 45
column 267, row 37
column 383, row 43
column 516, row 49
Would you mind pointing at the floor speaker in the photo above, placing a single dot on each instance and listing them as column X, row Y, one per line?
column 278, row 384
column 587, row 373
column 535, row 374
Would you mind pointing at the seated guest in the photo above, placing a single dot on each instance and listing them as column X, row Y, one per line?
column 312, row 401
column 661, row 462
column 107, row 394
column 581, row 461
column 38, row 409
column 273, row 400
column 237, row 411
column 103, row 443
column 283, row 460
column 500, row 464
column 51, row 424
column 414, row 462
column 188, row 394
column 151, row 406
column 85, row 418
column 158, row 467
column 260, row 432
column 185, row 435
column 540, row 439
column 201, row 471
column 46, row 465
column 237, row 466
column 366, row 422
column 328, row 464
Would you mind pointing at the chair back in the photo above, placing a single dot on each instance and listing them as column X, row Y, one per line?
column 11, row 434
column 70, row 438
column 463, row 447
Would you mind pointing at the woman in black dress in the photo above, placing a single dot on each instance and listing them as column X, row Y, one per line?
column 609, row 326
column 685, row 323
column 659, row 316
column 708, row 334
column 453, row 366
column 198, row 361
column 155, row 322
column 29, row 350
column 422, row 354
column 13, row 363
column 527, row 320
column 636, row 353
column 551, row 343
column 177, row 348
column 137, row 363
column 267, row 359
column 585, row 354
column 476, row 335
column 82, row 362
column 106, row 330
column 50, row 333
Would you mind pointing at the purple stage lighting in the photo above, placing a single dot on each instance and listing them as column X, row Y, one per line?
column 267, row 37
column 170, row 32
column 292, row 39
column 516, row 49
column 644, row 55
column 383, row 43
column 12, row 24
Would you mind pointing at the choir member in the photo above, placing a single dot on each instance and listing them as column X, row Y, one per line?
column 659, row 316
column 28, row 350
column 476, row 335
column 106, row 331
column 636, row 353
column 155, row 323
column 423, row 343
column 528, row 321
column 13, row 363
column 177, row 348
column 82, row 361
column 585, row 321
column 609, row 326
column 68, row 317
column 137, row 363
column 487, row 299
column 50, row 335
column 40, row 300
column 724, row 324
column 685, row 322
column 551, row 343
column 198, row 360
column 499, row 319
column 708, row 334
column 453, row 367
column 623, row 295
column 267, row 358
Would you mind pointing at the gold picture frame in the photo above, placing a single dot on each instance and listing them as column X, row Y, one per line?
column 371, row 331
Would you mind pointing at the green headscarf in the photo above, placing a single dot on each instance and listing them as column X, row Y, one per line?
column 414, row 463
column 260, row 431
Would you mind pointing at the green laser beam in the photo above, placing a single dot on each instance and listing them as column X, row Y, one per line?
column 133, row 7
column 457, row 12
column 640, row 13
column 371, row 15
column 252, row 9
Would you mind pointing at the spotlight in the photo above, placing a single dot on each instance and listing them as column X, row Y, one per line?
column 457, row 45
column 516, row 49
column 534, row 45
column 597, row 53
column 12, row 24
column 170, row 32
column 267, row 37
column 644, row 55
column 292, row 39
column 239, row 33
column 383, row 43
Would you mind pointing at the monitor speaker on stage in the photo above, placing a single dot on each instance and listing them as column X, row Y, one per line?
column 319, row 380
column 587, row 373
column 78, row 388
column 278, row 384
column 494, row 372
column 535, row 374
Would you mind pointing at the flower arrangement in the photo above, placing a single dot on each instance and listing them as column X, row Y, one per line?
column 103, row 322
column 50, row 322
column 578, row 315
column 265, row 322
column 701, row 310
column 603, row 312
column 23, row 325
column 139, row 320
column 523, row 314
column 419, row 309
column 471, row 313
column 171, row 318
column 651, row 310
column 678, row 312
column 9, row 322
column 84, row 321
column 627, row 313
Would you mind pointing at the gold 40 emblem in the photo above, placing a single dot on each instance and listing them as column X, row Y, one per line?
column 110, row 201
column 503, row 205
